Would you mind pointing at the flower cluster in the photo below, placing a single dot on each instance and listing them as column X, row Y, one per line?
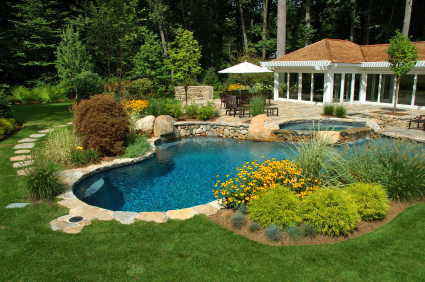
column 135, row 106
column 254, row 179
column 236, row 86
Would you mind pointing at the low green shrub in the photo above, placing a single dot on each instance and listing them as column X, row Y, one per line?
column 258, row 103
column 54, row 93
column 61, row 142
column 273, row 233
column 5, row 106
column 191, row 110
column 155, row 107
column 279, row 206
column 340, row 111
column 25, row 95
column 43, row 179
column 102, row 123
column 255, row 226
column 173, row 108
column 80, row 157
column 331, row 211
column 238, row 220
column 371, row 199
column 206, row 111
column 328, row 109
column 136, row 146
column 87, row 84
column 7, row 125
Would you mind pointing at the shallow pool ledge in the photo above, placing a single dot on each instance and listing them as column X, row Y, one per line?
column 87, row 213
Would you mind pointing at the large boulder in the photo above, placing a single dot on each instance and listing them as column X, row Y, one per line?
column 145, row 124
column 330, row 137
column 262, row 128
column 374, row 124
column 164, row 128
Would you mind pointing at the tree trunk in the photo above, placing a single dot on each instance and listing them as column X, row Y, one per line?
column 387, row 36
column 184, row 17
column 106, row 47
column 352, row 23
column 307, row 20
column 368, row 22
column 164, row 43
column 245, row 38
column 281, row 28
column 397, row 86
column 407, row 14
column 265, row 10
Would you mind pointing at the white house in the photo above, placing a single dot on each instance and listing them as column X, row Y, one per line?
column 342, row 71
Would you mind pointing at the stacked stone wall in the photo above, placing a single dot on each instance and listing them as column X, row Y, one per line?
column 389, row 120
column 224, row 130
column 194, row 93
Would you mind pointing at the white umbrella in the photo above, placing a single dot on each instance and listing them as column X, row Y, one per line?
column 245, row 68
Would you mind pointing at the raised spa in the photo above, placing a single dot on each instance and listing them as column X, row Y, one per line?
column 320, row 125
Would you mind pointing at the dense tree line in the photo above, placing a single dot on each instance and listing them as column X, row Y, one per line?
column 129, row 39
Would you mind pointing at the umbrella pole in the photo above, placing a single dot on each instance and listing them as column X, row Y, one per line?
column 245, row 81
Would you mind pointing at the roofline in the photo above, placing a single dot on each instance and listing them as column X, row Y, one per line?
column 295, row 63
column 387, row 64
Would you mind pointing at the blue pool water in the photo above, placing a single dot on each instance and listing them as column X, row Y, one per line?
column 322, row 125
column 182, row 174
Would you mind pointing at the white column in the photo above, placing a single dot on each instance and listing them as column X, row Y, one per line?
column 363, row 88
column 379, row 88
column 287, row 86
column 353, row 82
column 300, row 85
column 415, row 81
column 395, row 87
column 276, row 86
column 311, row 87
column 327, row 87
column 341, row 88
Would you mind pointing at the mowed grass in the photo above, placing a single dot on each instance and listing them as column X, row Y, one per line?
column 191, row 250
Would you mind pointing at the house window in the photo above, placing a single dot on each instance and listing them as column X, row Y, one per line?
column 372, row 87
column 420, row 91
column 357, row 86
column 337, row 87
column 406, row 89
column 347, row 87
column 293, row 86
column 387, row 88
column 283, row 84
column 306, row 86
column 318, row 85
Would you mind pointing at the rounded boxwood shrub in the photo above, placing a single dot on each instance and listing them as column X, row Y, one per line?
column 331, row 211
column 371, row 199
column 279, row 206
column 102, row 123
column 5, row 106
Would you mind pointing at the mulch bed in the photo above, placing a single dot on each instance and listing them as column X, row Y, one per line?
column 223, row 217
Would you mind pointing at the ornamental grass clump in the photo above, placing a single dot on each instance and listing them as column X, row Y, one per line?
column 340, row 111
column 255, row 226
column 136, row 146
column 279, row 206
column 273, row 233
column 238, row 220
column 309, row 231
column 80, row 157
column 294, row 231
column 371, row 200
column 43, row 179
column 331, row 211
column 328, row 109
column 258, row 103
column 60, row 144
column 102, row 123
column 254, row 179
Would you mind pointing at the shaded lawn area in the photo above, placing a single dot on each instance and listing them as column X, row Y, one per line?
column 191, row 250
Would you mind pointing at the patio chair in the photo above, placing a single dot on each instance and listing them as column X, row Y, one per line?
column 267, row 94
column 420, row 120
column 232, row 105
column 245, row 98
column 222, row 100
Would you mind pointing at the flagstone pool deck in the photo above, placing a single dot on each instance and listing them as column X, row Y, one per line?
column 288, row 111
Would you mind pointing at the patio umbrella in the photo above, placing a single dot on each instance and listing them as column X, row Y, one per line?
column 245, row 68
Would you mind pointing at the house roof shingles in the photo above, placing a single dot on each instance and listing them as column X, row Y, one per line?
column 344, row 51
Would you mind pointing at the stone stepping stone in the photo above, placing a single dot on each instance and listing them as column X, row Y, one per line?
column 27, row 140
column 22, row 171
column 69, row 122
column 22, row 152
column 62, row 125
column 17, row 205
column 20, row 158
column 24, row 146
column 22, row 164
column 46, row 130
column 37, row 135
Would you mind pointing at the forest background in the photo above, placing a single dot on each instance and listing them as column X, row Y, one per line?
column 46, row 42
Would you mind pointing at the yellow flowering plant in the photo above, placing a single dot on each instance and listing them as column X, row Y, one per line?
column 135, row 107
column 253, row 179
column 235, row 86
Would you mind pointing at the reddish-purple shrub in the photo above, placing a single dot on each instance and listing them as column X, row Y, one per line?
column 102, row 123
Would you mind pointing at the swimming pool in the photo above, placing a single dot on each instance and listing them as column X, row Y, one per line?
column 182, row 174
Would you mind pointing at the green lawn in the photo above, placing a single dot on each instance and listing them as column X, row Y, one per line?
column 190, row 250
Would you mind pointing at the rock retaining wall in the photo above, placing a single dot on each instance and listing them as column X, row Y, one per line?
column 224, row 130
column 347, row 135
column 194, row 92
column 398, row 121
